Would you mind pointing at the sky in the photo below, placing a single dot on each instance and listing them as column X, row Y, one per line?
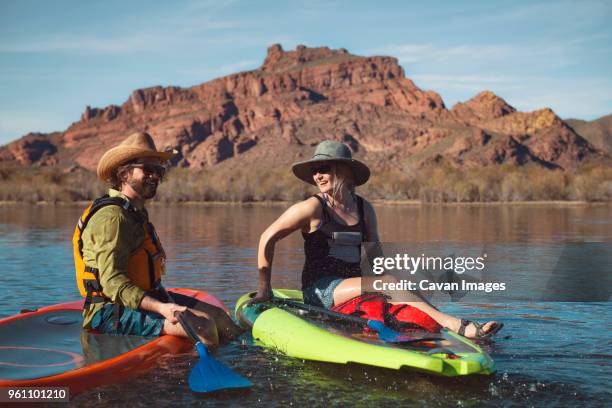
column 57, row 57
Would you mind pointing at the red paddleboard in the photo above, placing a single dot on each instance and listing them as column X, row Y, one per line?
column 49, row 348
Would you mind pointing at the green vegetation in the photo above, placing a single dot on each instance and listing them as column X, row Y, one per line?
column 47, row 184
column 506, row 183
column 434, row 184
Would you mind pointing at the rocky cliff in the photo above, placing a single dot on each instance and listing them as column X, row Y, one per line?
column 598, row 132
column 274, row 114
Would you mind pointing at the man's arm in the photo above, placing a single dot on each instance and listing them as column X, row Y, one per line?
column 111, row 237
column 114, row 239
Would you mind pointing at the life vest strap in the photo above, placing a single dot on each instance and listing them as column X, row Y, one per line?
column 89, row 300
column 92, row 270
column 102, row 202
column 92, row 285
column 117, row 311
column 93, row 289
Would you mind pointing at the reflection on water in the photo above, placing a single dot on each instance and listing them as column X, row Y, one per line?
column 25, row 354
column 556, row 353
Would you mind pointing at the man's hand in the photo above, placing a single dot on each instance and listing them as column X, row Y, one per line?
column 165, row 309
column 168, row 310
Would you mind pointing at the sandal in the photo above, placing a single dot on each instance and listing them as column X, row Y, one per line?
column 480, row 333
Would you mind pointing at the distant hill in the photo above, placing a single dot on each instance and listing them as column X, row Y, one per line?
column 598, row 132
column 273, row 115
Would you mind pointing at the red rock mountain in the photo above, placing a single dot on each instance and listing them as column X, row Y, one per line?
column 273, row 115
column 598, row 132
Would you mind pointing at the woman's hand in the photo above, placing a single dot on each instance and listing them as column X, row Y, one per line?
column 263, row 295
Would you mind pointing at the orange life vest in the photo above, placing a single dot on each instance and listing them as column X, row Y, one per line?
column 146, row 264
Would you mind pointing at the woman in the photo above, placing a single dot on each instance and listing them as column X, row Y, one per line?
column 334, row 223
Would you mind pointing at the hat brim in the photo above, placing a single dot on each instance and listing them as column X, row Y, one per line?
column 119, row 155
column 302, row 170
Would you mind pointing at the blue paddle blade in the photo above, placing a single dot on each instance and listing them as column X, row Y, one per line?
column 384, row 333
column 210, row 375
column 391, row 336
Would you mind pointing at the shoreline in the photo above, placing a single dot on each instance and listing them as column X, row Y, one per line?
column 414, row 203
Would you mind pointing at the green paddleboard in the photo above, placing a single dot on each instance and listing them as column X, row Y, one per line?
column 301, row 335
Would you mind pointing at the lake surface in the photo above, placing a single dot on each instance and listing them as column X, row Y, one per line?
column 553, row 353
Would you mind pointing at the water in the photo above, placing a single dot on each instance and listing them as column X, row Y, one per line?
column 549, row 353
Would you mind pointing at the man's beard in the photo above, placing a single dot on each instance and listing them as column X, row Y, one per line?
column 145, row 188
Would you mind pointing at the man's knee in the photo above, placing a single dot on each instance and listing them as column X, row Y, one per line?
column 204, row 327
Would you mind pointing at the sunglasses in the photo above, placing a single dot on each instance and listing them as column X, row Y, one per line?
column 150, row 169
column 321, row 169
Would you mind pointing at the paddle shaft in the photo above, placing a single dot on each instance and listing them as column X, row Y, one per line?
column 322, row 310
column 186, row 326
column 387, row 334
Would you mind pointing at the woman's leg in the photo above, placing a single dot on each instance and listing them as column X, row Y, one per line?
column 352, row 287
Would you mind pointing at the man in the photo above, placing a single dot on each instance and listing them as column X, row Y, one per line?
column 119, row 259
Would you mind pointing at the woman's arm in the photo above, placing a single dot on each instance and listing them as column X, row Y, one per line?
column 374, row 249
column 370, row 222
column 296, row 217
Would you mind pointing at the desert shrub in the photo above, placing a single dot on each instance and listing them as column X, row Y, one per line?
column 435, row 183
column 592, row 183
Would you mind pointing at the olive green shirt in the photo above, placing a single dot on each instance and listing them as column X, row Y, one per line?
column 109, row 239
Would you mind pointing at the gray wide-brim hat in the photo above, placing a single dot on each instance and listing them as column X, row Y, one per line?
column 331, row 151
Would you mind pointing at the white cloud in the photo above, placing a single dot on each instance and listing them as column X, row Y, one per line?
column 467, row 79
column 81, row 44
column 223, row 70
column 582, row 99
column 529, row 76
column 116, row 43
column 192, row 25
column 469, row 55
column 578, row 97
column 559, row 18
column 469, row 85
column 314, row 8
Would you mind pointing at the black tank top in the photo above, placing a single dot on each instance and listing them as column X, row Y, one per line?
column 324, row 250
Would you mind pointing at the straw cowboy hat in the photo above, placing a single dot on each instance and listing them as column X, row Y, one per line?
column 136, row 146
column 331, row 151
